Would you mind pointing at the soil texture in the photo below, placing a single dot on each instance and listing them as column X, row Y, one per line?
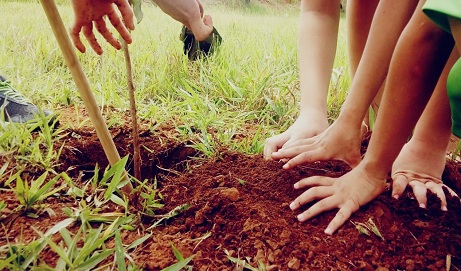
column 235, row 206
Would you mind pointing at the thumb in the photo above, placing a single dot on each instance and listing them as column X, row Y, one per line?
column 208, row 21
column 202, row 28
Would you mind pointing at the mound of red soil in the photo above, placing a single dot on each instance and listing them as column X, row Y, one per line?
column 238, row 209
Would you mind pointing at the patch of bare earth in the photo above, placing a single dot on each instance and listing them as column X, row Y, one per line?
column 239, row 206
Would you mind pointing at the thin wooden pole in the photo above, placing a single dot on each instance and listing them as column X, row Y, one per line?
column 83, row 86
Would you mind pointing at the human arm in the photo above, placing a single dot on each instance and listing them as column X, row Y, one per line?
column 416, row 64
column 342, row 139
column 317, row 38
column 189, row 13
column 89, row 13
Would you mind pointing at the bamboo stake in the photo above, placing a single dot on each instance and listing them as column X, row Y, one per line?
column 83, row 86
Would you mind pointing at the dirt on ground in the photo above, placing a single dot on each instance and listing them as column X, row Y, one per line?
column 237, row 208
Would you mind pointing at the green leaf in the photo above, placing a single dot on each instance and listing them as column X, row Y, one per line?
column 176, row 253
column 20, row 190
column 62, row 254
column 139, row 241
column 35, row 186
column 95, row 259
column 3, row 169
column 179, row 265
column 59, row 226
column 119, row 252
column 119, row 201
column 117, row 171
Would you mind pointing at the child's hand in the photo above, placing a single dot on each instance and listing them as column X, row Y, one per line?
column 307, row 125
column 420, row 184
column 89, row 12
column 340, row 141
column 348, row 193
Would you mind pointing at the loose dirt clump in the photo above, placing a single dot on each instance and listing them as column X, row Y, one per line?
column 237, row 208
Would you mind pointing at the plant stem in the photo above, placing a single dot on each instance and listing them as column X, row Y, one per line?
column 134, row 121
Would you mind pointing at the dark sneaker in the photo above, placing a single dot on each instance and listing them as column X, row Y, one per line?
column 14, row 107
column 195, row 49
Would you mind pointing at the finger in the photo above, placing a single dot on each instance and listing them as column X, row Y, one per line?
column 102, row 29
column 290, row 152
column 323, row 205
column 294, row 142
column 437, row 189
column 342, row 216
column 309, row 195
column 272, row 144
column 88, row 32
column 314, row 181
column 119, row 26
column 306, row 157
column 451, row 191
column 399, row 183
column 208, row 21
column 75, row 36
column 127, row 13
column 420, row 192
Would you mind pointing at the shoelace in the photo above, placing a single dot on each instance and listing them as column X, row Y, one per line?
column 10, row 93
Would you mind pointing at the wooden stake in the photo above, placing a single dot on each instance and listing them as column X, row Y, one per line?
column 83, row 86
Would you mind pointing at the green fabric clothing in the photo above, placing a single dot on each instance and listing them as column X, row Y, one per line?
column 454, row 94
column 439, row 11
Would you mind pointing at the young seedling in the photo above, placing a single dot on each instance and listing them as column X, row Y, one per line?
column 176, row 211
column 30, row 194
column 242, row 264
column 85, row 249
column 367, row 228
column 150, row 197
column 182, row 263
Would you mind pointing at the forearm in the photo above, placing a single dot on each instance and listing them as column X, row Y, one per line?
column 318, row 31
column 389, row 20
column 419, row 57
column 189, row 13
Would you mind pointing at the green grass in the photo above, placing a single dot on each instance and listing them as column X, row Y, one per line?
column 251, row 82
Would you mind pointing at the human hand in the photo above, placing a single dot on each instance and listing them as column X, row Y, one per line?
column 89, row 12
column 420, row 166
column 333, row 143
column 420, row 183
column 307, row 125
column 189, row 13
column 348, row 193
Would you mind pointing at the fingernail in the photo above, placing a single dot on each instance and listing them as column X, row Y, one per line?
column 329, row 231
column 300, row 217
column 292, row 206
column 396, row 196
column 422, row 205
column 296, row 185
column 444, row 208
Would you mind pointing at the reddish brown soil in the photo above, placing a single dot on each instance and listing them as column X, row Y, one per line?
column 239, row 205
